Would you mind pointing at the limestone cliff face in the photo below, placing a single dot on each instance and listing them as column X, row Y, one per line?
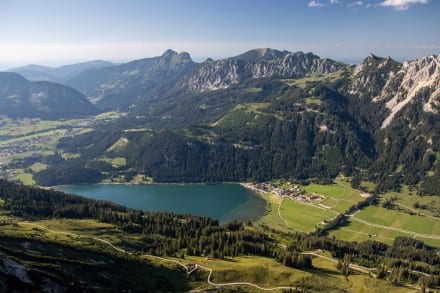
column 371, row 76
column 397, row 85
column 214, row 75
column 260, row 63
column 419, row 78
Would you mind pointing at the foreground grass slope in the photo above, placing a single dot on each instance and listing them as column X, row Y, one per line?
column 49, row 253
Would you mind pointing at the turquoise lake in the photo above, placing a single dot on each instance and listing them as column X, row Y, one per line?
column 224, row 202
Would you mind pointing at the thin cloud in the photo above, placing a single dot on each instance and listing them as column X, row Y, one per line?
column 401, row 4
column 355, row 4
column 334, row 1
column 414, row 47
column 436, row 47
column 314, row 3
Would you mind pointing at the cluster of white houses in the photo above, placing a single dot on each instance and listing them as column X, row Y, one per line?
column 294, row 192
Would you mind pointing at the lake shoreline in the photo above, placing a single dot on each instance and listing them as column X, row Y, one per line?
column 224, row 201
column 244, row 184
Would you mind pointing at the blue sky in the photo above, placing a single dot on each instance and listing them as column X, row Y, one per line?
column 56, row 32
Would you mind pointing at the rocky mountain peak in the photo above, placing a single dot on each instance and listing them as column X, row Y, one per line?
column 371, row 76
column 171, row 59
column 397, row 85
column 417, row 76
column 185, row 56
column 168, row 53
column 373, row 62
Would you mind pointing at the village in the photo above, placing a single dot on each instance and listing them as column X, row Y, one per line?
column 30, row 145
column 287, row 190
column 26, row 145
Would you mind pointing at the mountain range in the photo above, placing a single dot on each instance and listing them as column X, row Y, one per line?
column 22, row 98
column 57, row 74
column 267, row 114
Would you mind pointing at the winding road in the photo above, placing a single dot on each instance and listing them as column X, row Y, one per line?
column 185, row 267
column 197, row 266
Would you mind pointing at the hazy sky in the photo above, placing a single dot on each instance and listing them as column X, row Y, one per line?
column 56, row 32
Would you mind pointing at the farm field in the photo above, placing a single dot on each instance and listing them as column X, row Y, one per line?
column 271, row 218
column 381, row 216
column 339, row 196
column 26, row 126
column 371, row 223
column 410, row 201
column 375, row 222
column 356, row 231
column 304, row 217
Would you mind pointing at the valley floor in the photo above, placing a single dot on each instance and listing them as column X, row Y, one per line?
column 374, row 222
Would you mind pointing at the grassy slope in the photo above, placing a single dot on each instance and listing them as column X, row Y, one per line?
column 244, row 114
column 25, row 178
column 80, row 268
column 357, row 231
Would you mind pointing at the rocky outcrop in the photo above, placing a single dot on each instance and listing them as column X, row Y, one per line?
column 421, row 76
column 260, row 63
column 397, row 85
column 13, row 269
column 214, row 75
column 371, row 76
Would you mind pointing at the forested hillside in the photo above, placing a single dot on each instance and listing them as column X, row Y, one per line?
column 268, row 114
